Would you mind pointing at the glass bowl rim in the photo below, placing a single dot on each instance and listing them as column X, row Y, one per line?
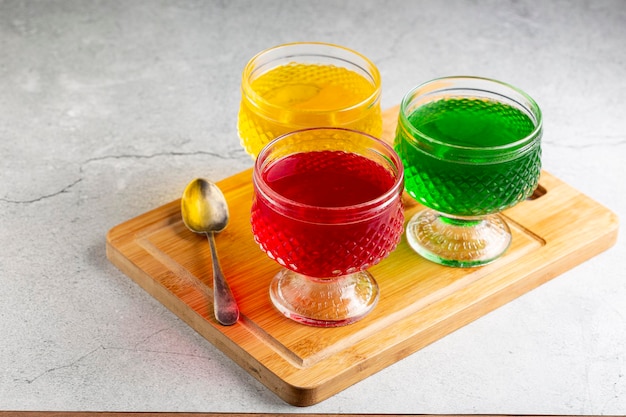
column 255, row 99
column 518, row 146
column 376, row 203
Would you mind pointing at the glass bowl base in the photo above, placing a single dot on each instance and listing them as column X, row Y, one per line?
column 328, row 302
column 458, row 241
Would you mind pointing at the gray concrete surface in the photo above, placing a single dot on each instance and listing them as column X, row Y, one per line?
column 108, row 108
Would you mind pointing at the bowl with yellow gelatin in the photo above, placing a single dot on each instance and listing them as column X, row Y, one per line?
column 307, row 84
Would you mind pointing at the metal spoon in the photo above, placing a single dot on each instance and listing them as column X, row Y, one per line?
column 204, row 210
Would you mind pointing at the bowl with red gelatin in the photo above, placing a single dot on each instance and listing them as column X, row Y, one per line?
column 327, row 206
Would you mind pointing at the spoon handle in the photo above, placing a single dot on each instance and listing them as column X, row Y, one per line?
column 224, row 304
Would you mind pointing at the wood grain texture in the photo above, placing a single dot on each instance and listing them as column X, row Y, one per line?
column 420, row 302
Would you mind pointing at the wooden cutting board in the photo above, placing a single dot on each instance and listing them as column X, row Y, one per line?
column 420, row 301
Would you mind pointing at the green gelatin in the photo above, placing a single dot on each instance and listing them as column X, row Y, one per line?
column 469, row 157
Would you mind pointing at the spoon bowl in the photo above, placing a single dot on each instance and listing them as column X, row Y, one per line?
column 204, row 210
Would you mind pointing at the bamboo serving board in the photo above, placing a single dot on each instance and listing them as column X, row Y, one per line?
column 420, row 301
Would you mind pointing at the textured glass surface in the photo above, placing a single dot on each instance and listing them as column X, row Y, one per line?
column 447, row 177
column 471, row 147
column 300, row 95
